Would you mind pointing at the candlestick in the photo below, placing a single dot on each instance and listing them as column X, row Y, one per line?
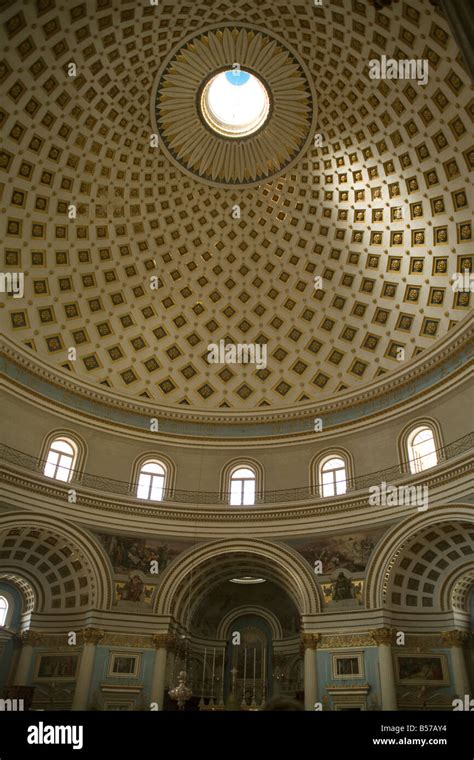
column 211, row 701
column 203, row 675
column 245, row 675
column 221, row 701
column 264, row 673
column 234, row 675
column 173, row 674
column 254, row 704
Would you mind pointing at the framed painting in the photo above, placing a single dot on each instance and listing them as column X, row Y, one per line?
column 350, row 665
column 124, row 665
column 421, row 669
column 56, row 667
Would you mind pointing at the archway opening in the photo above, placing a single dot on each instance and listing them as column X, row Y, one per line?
column 240, row 614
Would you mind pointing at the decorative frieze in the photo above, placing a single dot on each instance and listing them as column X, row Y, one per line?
column 346, row 641
column 132, row 640
column 382, row 636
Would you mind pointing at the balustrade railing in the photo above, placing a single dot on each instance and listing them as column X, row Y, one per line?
column 120, row 487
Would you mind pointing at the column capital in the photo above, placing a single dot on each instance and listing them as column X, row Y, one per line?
column 92, row 635
column 31, row 638
column 382, row 636
column 164, row 641
column 455, row 638
column 310, row 640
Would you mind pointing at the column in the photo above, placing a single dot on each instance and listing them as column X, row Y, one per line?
column 455, row 641
column 29, row 639
column 90, row 637
column 310, row 643
column 162, row 642
column 383, row 639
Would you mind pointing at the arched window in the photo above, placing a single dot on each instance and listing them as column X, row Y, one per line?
column 333, row 477
column 151, row 481
column 3, row 610
column 242, row 487
column 60, row 460
column 421, row 449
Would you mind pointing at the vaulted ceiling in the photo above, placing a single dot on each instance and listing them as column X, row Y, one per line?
column 418, row 575
column 379, row 211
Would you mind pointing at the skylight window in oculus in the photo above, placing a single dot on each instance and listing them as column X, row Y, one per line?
column 235, row 103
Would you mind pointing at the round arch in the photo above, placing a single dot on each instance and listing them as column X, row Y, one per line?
column 287, row 566
column 391, row 544
column 78, row 443
column 12, row 594
column 70, row 544
column 456, row 588
column 24, row 588
column 267, row 615
column 317, row 461
column 154, row 456
column 429, row 422
column 234, row 464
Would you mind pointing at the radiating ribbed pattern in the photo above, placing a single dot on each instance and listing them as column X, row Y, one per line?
column 234, row 161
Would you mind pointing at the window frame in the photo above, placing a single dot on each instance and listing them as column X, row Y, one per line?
column 152, row 477
column 6, row 610
column 79, row 447
column 226, row 473
column 158, row 457
column 414, row 460
column 316, row 466
column 405, row 442
column 12, row 606
column 58, row 465
column 233, row 479
column 334, row 480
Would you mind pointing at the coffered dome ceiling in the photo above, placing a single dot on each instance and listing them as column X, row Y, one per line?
column 379, row 211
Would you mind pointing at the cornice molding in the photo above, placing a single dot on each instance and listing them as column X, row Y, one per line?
column 386, row 387
column 97, row 637
column 291, row 518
